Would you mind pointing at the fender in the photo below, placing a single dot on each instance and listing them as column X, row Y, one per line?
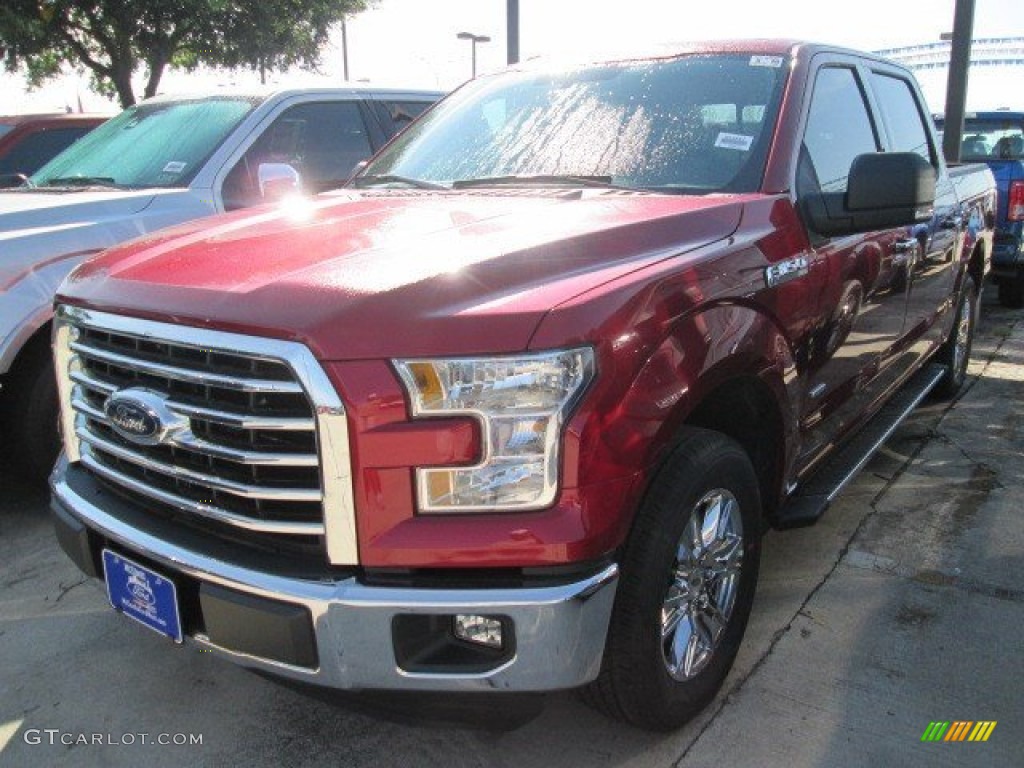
column 43, row 244
column 702, row 352
column 977, row 237
column 27, row 304
column 630, row 421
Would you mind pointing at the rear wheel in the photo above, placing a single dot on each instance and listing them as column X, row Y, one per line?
column 687, row 586
column 955, row 354
column 1011, row 291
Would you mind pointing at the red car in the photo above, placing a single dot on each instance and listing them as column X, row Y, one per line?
column 29, row 141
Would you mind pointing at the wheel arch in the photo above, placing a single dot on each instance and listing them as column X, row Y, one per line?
column 746, row 410
column 29, row 336
column 727, row 368
column 978, row 264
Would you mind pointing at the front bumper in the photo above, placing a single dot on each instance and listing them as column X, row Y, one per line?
column 559, row 630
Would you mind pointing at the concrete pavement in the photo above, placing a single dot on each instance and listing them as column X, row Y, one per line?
column 904, row 605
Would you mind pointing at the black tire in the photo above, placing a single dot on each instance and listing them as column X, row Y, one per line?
column 1011, row 291
column 635, row 683
column 955, row 353
column 30, row 412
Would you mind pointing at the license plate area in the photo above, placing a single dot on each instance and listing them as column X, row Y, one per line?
column 142, row 594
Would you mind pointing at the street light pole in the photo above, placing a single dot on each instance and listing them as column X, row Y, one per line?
column 344, row 47
column 474, row 39
column 513, row 31
column 956, row 84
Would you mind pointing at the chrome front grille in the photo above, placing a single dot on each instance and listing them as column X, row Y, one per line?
column 254, row 422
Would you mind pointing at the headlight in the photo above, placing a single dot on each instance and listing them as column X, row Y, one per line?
column 521, row 403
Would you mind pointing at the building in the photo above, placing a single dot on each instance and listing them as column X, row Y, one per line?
column 996, row 77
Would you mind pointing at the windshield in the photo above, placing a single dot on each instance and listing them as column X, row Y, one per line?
column 160, row 144
column 5, row 128
column 992, row 139
column 690, row 124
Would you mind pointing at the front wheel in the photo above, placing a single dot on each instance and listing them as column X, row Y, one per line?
column 30, row 413
column 687, row 586
column 955, row 354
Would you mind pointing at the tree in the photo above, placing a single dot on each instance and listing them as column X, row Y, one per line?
column 282, row 34
column 113, row 39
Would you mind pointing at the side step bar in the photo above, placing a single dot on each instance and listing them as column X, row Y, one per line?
column 813, row 497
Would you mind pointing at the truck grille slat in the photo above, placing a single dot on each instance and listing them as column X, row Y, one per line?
column 197, row 478
column 192, row 443
column 238, row 419
column 239, row 441
column 198, row 508
column 188, row 376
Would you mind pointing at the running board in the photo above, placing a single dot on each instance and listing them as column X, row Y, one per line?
column 814, row 496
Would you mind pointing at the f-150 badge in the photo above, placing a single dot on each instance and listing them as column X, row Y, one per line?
column 787, row 270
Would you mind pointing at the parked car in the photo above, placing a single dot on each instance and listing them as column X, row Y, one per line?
column 162, row 162
column 29, row 141
column 997, row 139
column 510, row 412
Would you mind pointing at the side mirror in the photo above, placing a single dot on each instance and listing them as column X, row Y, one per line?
column 277, row 180
column 884, row 190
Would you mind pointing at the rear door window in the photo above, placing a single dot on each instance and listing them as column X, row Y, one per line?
column 902, row 116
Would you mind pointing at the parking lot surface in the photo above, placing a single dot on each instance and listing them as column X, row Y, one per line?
column 903, row 606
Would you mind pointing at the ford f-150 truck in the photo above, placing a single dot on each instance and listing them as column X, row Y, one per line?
column 510, row 412
column 997, row 139
column 159, row 163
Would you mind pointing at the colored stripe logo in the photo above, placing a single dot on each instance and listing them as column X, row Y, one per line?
column 958, row 730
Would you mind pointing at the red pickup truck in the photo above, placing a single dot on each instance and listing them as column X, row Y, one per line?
column 511, row 411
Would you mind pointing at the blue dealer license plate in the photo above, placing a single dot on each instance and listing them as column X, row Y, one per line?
column 145, row 596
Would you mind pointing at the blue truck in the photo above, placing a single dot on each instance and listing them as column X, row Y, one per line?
column 997, row 139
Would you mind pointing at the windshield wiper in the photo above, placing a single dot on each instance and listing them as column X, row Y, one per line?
column 82, row 181
column 541, row 179
column 388, row 178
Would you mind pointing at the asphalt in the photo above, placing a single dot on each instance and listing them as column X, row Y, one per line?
column 903, row 606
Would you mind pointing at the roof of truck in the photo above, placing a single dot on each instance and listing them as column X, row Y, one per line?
column 268, row 92
column 753, row 46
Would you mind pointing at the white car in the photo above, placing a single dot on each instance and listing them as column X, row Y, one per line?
column 162, row 162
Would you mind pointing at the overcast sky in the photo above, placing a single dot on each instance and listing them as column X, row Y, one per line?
column 413, row 43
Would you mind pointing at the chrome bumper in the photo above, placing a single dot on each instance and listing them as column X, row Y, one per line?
column 559, row 630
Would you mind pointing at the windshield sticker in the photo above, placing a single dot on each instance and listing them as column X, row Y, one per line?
column 734, row 141
column 766, row 61
column 175, row 166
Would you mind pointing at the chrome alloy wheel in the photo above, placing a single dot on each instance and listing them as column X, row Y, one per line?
column 963, row 337
column 702, row 585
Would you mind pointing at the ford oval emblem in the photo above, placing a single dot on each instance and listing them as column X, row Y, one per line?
column 140, row 416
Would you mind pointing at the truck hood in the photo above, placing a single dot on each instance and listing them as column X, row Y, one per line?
column 31, row 209
column 384, row 273
column 37, row 228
